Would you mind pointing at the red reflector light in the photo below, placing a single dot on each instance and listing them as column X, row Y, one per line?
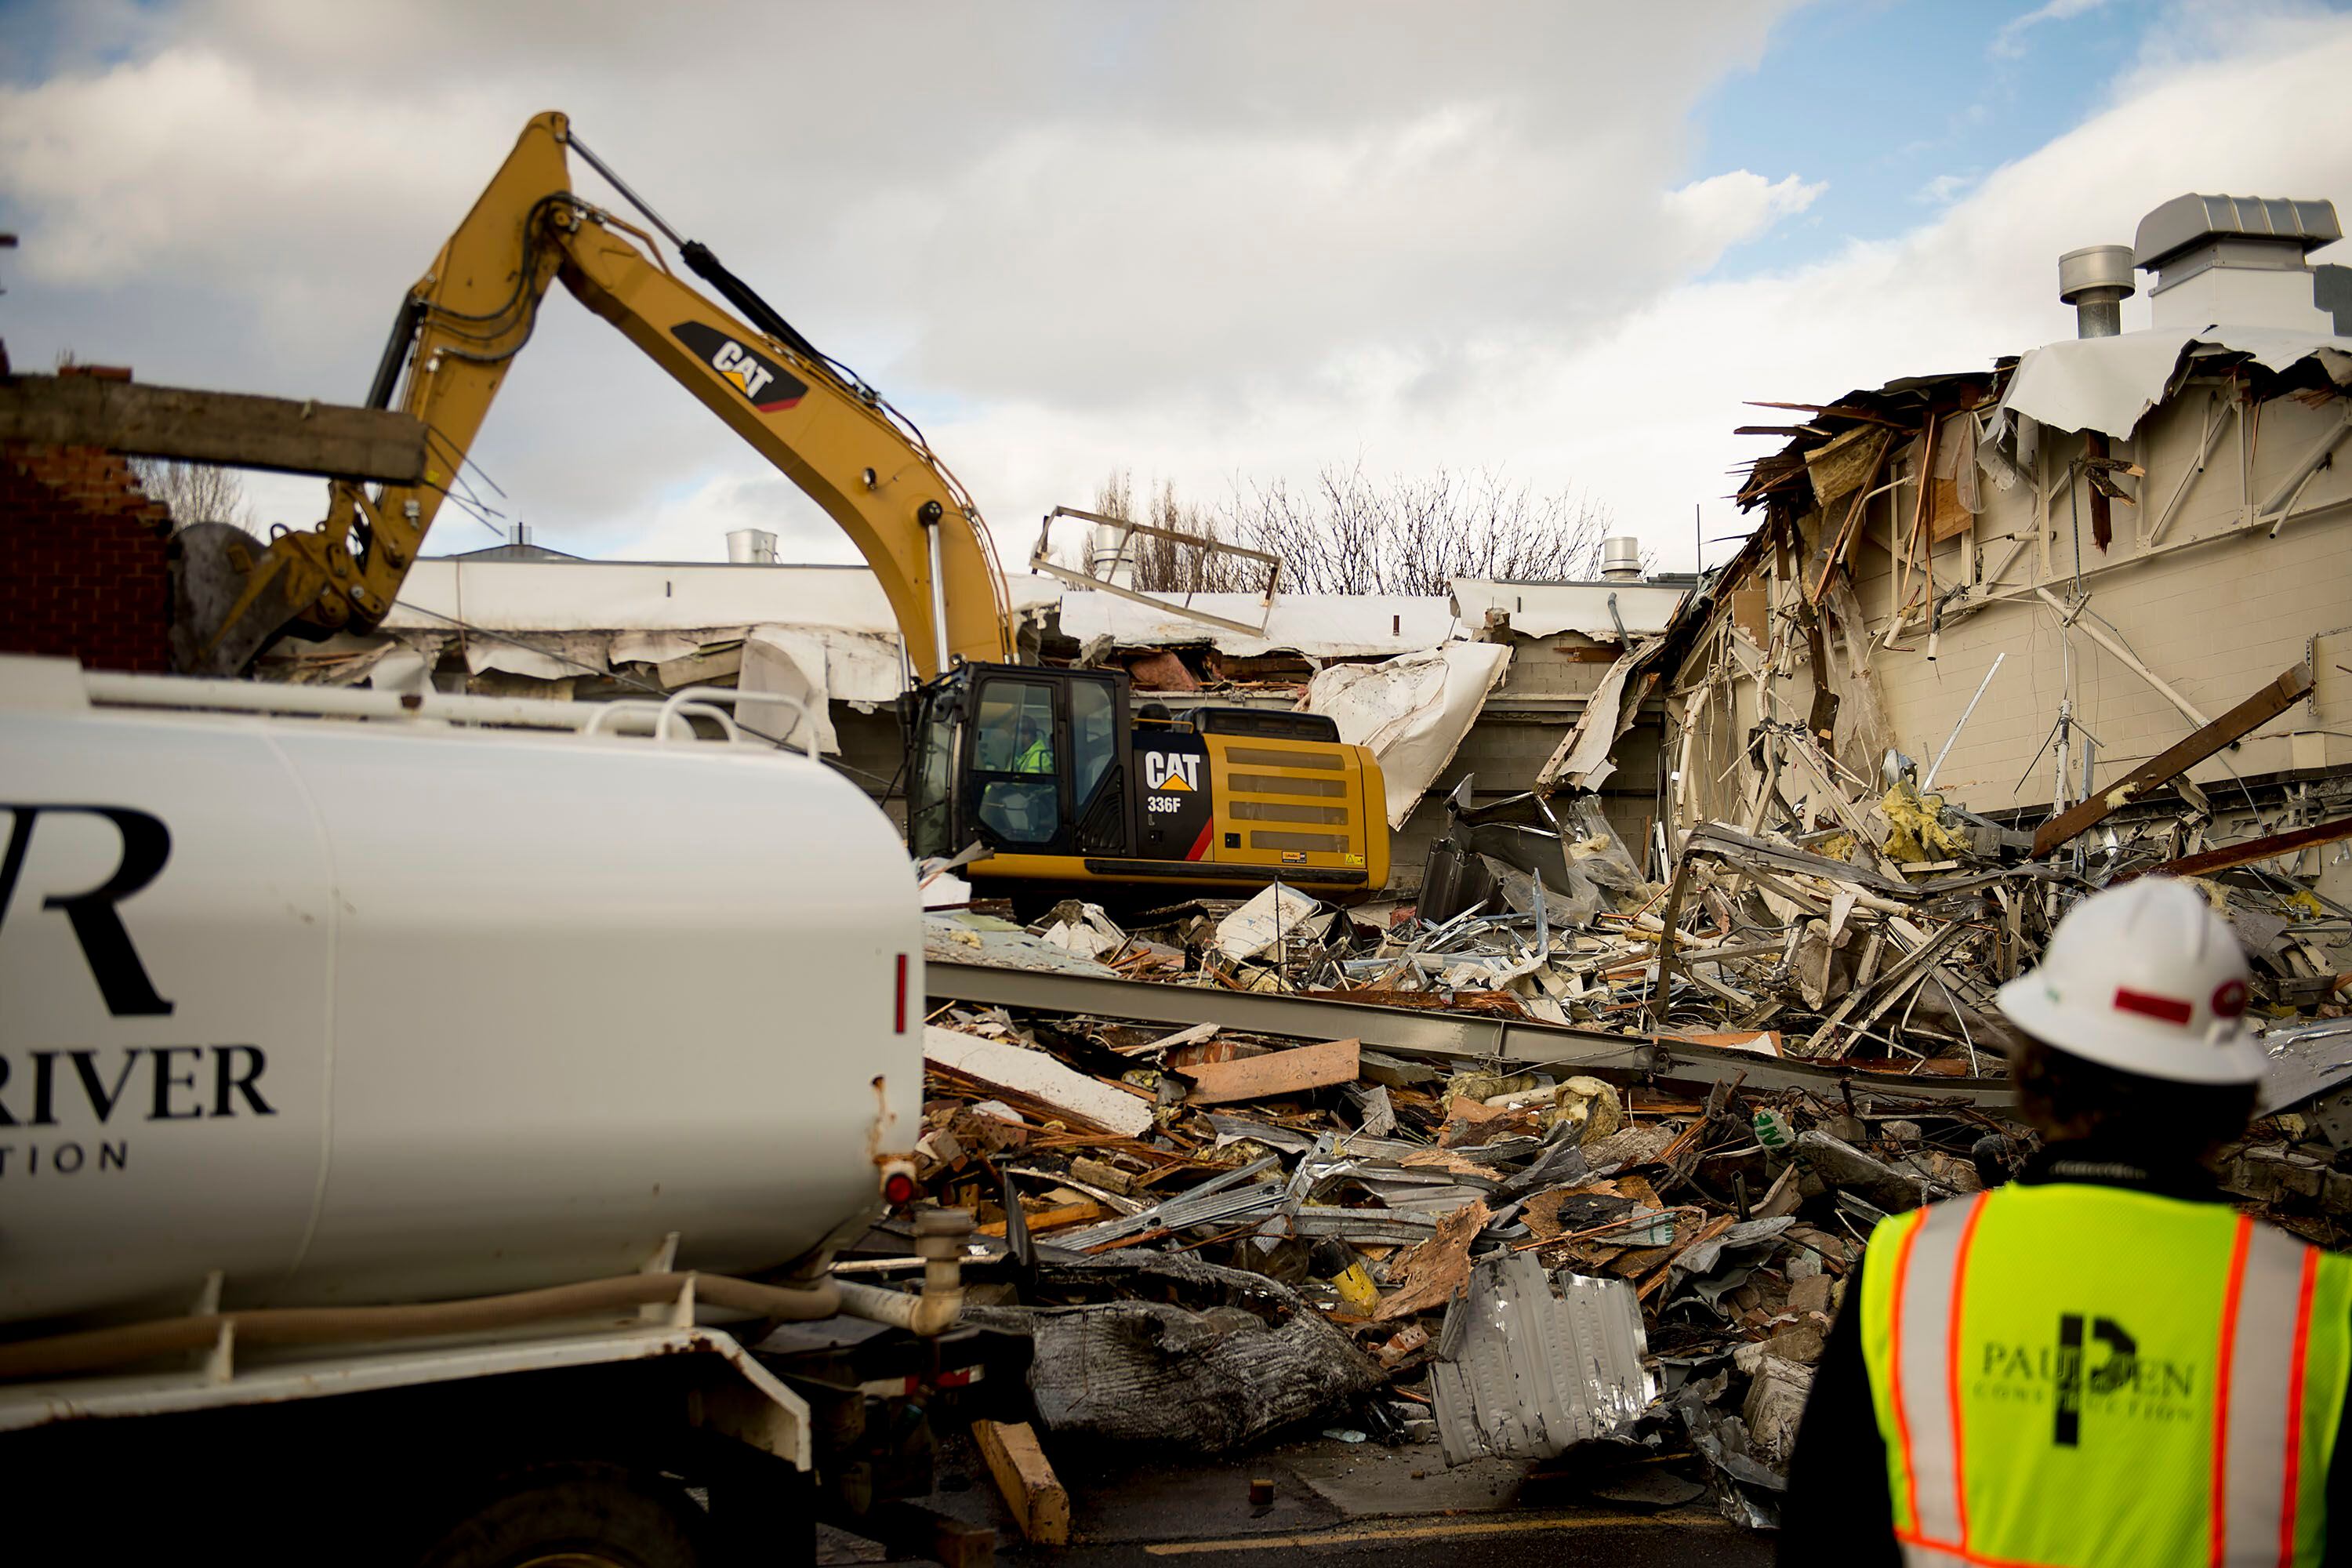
column 899, row 1188
column 902, row 1005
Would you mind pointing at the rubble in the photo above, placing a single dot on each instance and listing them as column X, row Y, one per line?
column 1240, row 1229
column 1585, row 1141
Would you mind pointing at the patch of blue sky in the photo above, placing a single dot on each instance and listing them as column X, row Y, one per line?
column 39, row 38
column 1902, row 106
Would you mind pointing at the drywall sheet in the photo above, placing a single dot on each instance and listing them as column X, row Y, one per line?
column 1582, row 759
column 1319, row 625
column 792, row 663
column 1411, row 711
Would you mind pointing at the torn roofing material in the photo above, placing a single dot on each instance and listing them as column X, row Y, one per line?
column 2107, row 384
column 1319, row 625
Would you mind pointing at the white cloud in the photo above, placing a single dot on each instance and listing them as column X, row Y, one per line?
column 2011, row 39
column 1641, row 414
column 1723, row 210
column 1185, row 217
column 1944, row 189
column 1207, row 244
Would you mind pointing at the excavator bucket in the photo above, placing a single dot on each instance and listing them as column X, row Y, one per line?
column 218, row 629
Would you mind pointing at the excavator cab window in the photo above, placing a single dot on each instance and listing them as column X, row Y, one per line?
column 1018, row 789
column 929, row 716
column 1094, row 736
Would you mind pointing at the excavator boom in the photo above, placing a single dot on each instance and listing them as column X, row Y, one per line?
column 456, row 333
column 1067, row 784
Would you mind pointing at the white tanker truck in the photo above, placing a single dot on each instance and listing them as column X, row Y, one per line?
column 438, row 1131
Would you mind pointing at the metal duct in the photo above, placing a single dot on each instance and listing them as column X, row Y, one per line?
column 751, row 547
column 2096, row 280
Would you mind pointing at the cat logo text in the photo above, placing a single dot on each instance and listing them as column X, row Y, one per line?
column 765, row 384
column 1171, row 769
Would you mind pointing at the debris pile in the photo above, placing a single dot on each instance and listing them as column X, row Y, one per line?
column 1218, row 1230
column 1871, row 927
column 1211, row 1235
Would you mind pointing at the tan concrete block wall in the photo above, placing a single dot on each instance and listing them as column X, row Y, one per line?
column 2215, row 619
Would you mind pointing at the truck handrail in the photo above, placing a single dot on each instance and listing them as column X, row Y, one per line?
column 702, row 697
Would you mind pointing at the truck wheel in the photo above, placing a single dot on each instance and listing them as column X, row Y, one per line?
column 576, row 1516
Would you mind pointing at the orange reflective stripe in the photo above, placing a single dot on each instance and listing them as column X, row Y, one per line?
column 2289, row 1502
column 2273, row 1357
column 1921, row 1546
column 1952, row 1365
column 2228, row 1351
column 1895, row 1358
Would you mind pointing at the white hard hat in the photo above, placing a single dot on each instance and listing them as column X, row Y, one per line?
column 2146, row 978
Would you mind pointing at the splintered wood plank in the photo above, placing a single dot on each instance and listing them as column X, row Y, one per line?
column 1039, row 1504
column 1060, row 1218
column 1277, row 1072
column 1109, row 1107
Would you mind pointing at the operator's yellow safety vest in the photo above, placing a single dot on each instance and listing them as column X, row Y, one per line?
column 2070, row 1376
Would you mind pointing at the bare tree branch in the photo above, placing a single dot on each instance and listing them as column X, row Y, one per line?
column 195, row 493
column 1353, row 534
column 1357, row 535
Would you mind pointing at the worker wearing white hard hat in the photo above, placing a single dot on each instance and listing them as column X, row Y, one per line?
column 2103, row 1362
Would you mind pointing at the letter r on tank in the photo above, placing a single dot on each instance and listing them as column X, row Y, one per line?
column 97, row 924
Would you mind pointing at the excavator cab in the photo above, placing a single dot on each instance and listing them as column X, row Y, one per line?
column 1069, row 787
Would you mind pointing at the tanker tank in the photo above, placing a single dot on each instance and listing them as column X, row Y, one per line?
column 367, row 1012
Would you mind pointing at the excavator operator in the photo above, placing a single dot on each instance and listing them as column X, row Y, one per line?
column 2102, row 1362
column 1033, row 752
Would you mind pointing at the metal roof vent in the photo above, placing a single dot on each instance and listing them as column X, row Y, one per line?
column 1621, row 560
column 751, row 547
column 2237, row 260
column 2096, row 280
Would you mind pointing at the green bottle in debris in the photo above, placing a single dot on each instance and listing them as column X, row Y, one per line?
column 1772, row 1130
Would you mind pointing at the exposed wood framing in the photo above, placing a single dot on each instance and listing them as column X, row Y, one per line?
column 1835, row 554
column 226, row 427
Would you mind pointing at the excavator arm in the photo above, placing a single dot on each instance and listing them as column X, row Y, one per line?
column 461, row 327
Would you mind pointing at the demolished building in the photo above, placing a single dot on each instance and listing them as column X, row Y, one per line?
column 2033, row 579
column 1601, row 1124
column 1513, row 662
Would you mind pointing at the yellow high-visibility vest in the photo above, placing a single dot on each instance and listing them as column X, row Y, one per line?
column 2071, row 1376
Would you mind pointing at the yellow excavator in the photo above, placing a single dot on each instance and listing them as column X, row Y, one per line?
column 1053, row 771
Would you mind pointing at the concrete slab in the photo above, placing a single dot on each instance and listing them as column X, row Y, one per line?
column 1363, row 1480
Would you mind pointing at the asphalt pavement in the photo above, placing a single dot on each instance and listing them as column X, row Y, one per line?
column 1353, row 1502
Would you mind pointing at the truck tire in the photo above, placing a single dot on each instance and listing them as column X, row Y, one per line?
column 580, row 1515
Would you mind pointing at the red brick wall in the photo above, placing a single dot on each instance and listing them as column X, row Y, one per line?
column 82, row 560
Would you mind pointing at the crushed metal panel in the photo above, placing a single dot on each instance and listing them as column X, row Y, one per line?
column 1524, row 1371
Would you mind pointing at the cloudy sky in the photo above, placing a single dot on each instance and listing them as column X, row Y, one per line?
column 1216, row 243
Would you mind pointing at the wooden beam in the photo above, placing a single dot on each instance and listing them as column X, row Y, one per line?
column 2289, row 688
column 1060, row 1218
column 230, row 428
column 1039, row 1505
column 910, row 1529
column 2230, row 856
column 1277, row 1072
